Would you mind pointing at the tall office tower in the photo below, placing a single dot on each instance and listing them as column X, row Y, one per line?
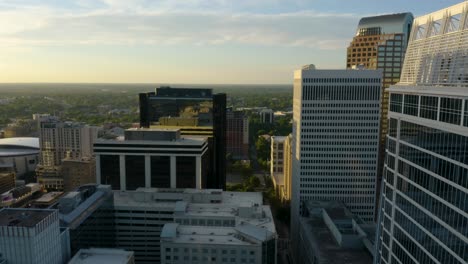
column 237, row 134
column 32, row 236
column 59, row 140
column 150, row 157
column 196, row 112
column 423, row 214
column 380, row 43
column 335, row 139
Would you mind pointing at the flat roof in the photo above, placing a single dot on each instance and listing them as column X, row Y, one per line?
column 101, row 256
column 23, row 217
column 176, row 233
column 48, row 197
column 330, row 252
column 183, row 141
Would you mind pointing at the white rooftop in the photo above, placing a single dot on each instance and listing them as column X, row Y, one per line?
column 102, row 256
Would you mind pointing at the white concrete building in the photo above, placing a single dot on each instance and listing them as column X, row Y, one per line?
column 245, row 243
column 32, row 236
column 335, row 139
column 140, row 216
column 102, row 256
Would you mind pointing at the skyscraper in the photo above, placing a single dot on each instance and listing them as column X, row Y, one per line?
column 423, row 214
column 196, row 112
column 335, row 139
column 380, row 43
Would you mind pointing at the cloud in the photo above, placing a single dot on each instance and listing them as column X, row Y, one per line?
column 118, row 22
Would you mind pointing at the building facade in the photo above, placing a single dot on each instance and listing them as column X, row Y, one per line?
column 196, row 112
column 7, row 179
column 423, row 214
column 237, row 134
column 76, row 173
column 59, row 140
column 141, row 217
column 32, row 236
column 281, row 166
column 380, row 43
column 158, row 158
column 335, row 140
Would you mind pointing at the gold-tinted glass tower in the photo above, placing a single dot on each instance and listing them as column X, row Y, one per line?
column 380, row 43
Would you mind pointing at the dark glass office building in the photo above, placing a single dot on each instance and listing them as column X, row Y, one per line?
column 196, row 112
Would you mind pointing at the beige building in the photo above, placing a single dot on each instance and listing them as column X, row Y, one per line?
column 78, row 172
column 280, row 165
column 7, row 179
column 62, row 140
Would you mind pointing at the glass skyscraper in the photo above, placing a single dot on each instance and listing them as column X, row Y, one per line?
column 423, row 216
column 380, row 43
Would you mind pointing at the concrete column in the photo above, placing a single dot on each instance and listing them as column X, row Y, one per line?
column 173, row 172
column 147, row 171
column 123, row 183
column 98, row 169
column 198, row 168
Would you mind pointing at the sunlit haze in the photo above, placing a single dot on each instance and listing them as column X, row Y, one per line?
column 193, row 41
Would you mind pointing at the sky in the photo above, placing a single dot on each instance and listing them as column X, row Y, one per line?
column 181, row 41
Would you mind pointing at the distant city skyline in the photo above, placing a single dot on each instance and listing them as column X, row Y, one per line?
column 198, row 41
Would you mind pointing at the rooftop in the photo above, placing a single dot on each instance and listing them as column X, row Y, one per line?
column 184, row 141
column 19, row 146
column 239, row 235
column 330, row 252
column 102, row 256
column 385, row 20
column 23, row 217
column 26, row 142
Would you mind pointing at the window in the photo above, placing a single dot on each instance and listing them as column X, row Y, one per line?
column 429, row 107
column 411, row 105
column 450, row 110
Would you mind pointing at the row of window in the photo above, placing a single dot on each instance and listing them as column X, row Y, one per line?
column 341, row 80
column 342, row 92
column 447, row 110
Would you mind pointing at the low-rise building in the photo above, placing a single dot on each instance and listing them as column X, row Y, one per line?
column 331, row 234
column 267, row 116
column 140, row 216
